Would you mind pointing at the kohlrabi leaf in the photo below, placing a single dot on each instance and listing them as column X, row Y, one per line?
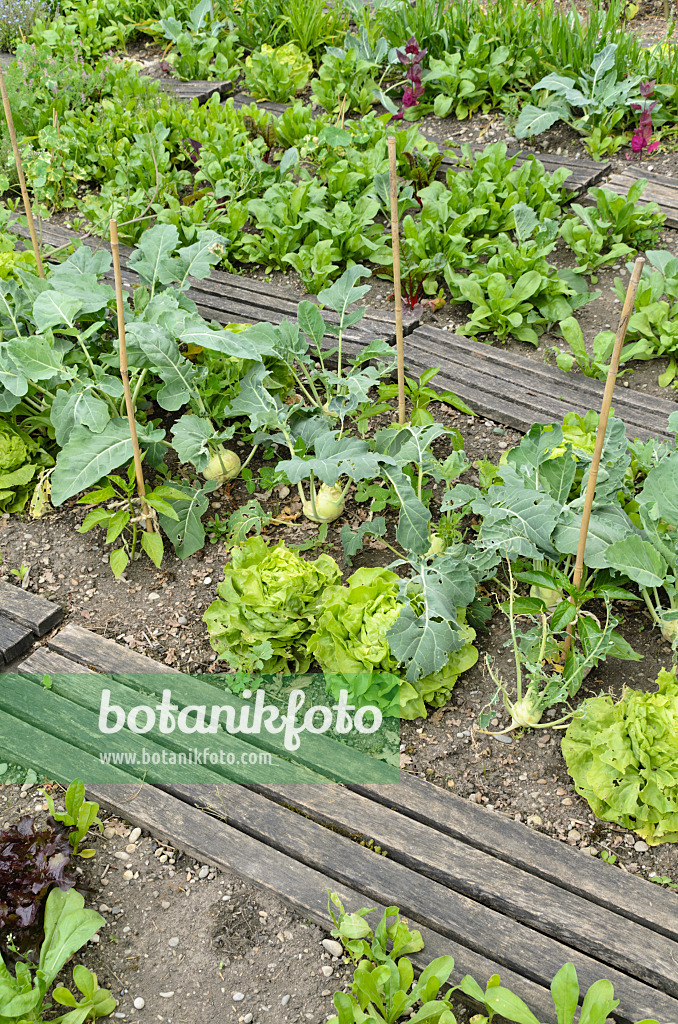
column 638, row 560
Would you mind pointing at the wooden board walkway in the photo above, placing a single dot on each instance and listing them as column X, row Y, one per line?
column 230, row 298
column 23, row 618
column 487, row 890
column 660, row 188
column 197, row 90
column 517, row 391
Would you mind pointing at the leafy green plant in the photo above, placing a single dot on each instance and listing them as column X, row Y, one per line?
column 20, row 460
column 67, row 927
column 351, row 644
column 269, row 601
column 391, row 938
column 601, row 94
column 622, row 757
column 80, row 815
column 469, row 80
column 345, row 82
column 122, row 518
column 420, row 395
column 277, row 73
column 203, row 50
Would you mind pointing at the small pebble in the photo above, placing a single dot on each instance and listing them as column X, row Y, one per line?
column 135, row 835
column 640, row 846
column 207, row 580
column 182, row 620
column 139, row 1003
column 121, row 855
column 333, row 947
column 247, row 1018
column 238, row 997
column 173, row 942
column 204, row 872
column 285, row 999
column 131, row 848
column 127, row 875
column 327, row 970
column 154, row 597
column 165, row 905
column 166, row 995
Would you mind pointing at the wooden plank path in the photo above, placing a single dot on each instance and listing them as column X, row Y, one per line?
column 660, row 188
column 230, row 298
column 196, row 90
column 23, row 618
column 518, row 391
column 487, row 890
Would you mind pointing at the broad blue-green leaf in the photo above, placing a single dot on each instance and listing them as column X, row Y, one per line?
column 161, row 353
column 37, row 358
column 87, row 457
column 412, row 531
column 11, row 377
column 191, row 434
column 608, row 525
column 256, row 403
column 311, row 321
column 187, row 533
column 638, row 560
column 520, row 522
column 340, row 295
column 198, row 259
column 353, row 540
column 239, row 345
column 77, row 405
column 152, row 259
column 334, row 457
column 534, row 120
column 661, row 488
column 55, row 309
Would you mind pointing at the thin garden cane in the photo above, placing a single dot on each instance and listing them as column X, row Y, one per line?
column 20, row 174
column 395, row 243
column 602, row 429
column 141, row 486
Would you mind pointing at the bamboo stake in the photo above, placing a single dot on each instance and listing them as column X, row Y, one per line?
column 395, row 243
column 141, row 487
column 20, row 173
column 602, row 429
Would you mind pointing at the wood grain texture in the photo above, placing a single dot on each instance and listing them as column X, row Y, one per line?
column 51, row 758
column 15, row 639
column 200, row 90
column 660, row 189
column 78, row 698
column 30, row 610
column 300, row 886
column 323, row 756
column 572, row 919
column 489, row 933
column 540, row 855
column 512, row 389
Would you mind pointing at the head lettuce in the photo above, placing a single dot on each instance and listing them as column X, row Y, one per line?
column 623, row 759
column 17, row 468
column 350, row 643
column 268, row 596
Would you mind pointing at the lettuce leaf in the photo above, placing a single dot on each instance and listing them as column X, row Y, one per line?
column 623, row 759
column 268, row 595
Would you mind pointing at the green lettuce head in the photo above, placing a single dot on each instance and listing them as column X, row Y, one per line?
column 16, row 468
column 268, row 595
column 350, row 644
column 623, row 759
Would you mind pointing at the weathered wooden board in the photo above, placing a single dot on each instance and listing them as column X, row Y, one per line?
column 241, row 99
column 15, row 640
column 322, row 755
column 518, row 391
column 300, row 886
column 30, row 610
column 660, row 188
column 540, row 855
column 489, row 933
column 195, row 90
column 51, row 758
column 75, row 695
column 543, row 906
